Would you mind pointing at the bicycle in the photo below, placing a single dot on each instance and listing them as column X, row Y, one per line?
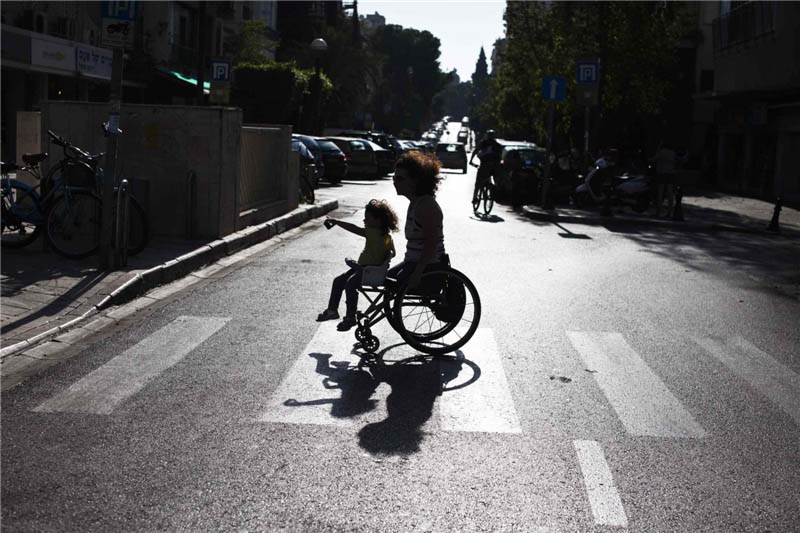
column 65, row 203
column 81, row 171
column 437, row 317
column 484, row 195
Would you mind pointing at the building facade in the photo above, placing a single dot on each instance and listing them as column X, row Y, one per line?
column 60, row 51
column 747, row 99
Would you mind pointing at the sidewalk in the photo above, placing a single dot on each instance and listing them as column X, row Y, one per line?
column 44, row 294
column 702, row 211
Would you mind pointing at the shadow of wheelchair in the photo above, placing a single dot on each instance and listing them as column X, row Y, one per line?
column 415, row 380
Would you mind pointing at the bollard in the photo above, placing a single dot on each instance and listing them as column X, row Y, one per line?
column 776, row 213
column 121, row 222
column 677, row 211
column 191, row 203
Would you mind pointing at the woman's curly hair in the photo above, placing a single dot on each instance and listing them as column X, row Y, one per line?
column 381, row 210
column 424, row 169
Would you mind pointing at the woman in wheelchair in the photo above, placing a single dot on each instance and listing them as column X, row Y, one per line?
column 379, row 221
column 434, row 307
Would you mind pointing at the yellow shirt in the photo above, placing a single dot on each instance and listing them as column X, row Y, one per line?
column 376, row 248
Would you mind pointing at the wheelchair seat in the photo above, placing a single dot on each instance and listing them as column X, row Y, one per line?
column 374, row 276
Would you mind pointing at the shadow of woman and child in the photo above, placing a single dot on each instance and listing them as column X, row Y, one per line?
column 415, row 381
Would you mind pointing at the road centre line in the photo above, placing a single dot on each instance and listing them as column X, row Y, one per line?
column 603, row 496
column 485, row 405
column 102, row 390
column 642, row 402
column 765, row 374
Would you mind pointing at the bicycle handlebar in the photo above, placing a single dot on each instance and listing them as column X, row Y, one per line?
column 66, row 145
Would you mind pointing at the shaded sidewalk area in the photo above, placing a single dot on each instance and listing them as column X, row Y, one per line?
column 43, row 294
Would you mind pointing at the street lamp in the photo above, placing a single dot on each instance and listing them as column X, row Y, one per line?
column 318, row 48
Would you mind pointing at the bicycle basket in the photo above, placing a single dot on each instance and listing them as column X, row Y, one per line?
column 78, row 174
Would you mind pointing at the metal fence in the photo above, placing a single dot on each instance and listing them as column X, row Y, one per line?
column 742, row 24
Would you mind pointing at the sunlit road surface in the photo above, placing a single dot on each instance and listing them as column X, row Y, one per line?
column 620, row 379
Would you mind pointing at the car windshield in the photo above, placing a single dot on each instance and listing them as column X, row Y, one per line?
column 450, row 148
column 531, row 155
column 328, row 146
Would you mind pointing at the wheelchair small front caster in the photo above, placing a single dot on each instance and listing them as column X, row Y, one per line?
column 370, row 344
column 362, row 332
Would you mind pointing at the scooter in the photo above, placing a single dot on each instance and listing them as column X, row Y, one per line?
column 633, row 190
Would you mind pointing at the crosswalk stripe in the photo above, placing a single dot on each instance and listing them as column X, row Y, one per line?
column 768, row 376
column 316, row 388
column 603, row 496
column 642, row 402
column 485, row 405
column 102, row 390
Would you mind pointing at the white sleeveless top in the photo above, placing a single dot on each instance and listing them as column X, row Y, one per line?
column 415, row 236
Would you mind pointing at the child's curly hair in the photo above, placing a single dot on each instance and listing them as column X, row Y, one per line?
column 381, row 210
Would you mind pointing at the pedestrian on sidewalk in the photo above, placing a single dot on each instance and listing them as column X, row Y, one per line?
column 666, row 161
column 379, row 221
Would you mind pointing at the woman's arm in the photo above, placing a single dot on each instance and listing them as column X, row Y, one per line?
column 352, row 228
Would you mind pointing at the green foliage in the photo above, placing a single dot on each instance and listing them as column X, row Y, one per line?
column 272, row 92
column 252, row 43
column 636, row 43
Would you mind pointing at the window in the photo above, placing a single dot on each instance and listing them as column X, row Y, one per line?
column 357, row 146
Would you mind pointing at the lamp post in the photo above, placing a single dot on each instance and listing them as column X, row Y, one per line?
column 318, row 49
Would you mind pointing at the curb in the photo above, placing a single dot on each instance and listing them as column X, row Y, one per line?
column 596, row 220
column 179, row 267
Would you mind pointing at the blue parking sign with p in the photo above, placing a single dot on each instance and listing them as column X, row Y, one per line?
column 120, row 9
column 221, row 71
column 588, row 72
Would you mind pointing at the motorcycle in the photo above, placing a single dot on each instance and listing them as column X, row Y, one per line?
column 633, row 190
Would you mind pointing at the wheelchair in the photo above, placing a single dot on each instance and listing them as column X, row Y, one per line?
column 437, row 317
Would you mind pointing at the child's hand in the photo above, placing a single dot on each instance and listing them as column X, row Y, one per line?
column 329, row 223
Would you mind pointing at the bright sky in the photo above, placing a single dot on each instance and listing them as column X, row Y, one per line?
column 462, row 26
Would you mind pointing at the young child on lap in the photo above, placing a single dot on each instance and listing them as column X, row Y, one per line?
column 379, row 221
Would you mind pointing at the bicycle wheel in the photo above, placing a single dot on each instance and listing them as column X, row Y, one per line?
column 476, row 201
column 488, row 200
column 73, row 223
column 21, row 215
column 138, row 227
column 440, row 315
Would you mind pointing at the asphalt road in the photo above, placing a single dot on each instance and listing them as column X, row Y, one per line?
column 620, row 379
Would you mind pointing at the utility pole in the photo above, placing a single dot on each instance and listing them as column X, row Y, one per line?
column 201, row 53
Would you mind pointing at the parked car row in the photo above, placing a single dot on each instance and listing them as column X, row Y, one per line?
column 336, row 157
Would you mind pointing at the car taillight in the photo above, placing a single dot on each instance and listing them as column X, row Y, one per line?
column 344, row 158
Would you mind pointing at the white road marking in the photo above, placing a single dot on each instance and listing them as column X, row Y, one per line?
column 484, row 405
column 768, row 376
column 641, row 400
column 105, row 388
column 603, row 496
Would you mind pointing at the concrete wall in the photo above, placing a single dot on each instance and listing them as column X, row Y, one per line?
column 163, row 144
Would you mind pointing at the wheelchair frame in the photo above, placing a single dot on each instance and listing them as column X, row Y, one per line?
column 386, row 298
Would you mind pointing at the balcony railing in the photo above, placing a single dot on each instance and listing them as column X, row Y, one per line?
column 743, row 24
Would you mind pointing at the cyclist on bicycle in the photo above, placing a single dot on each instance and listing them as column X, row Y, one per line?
column 488, row 151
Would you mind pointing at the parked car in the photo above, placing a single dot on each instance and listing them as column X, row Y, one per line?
column 334, row 159
column 452, row 155
column 314, row 148
column 385, row 158
column 361, row 160
column 519, row 173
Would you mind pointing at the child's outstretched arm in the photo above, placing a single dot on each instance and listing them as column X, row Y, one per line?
column 352, row 228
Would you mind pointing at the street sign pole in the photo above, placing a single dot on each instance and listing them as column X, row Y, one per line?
column 586, row 139
column 111, row 258
column 547, row 169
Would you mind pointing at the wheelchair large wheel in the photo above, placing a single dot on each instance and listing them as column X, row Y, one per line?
column 440, row 315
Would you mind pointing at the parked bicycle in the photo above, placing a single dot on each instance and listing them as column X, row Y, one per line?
column 65, row 203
